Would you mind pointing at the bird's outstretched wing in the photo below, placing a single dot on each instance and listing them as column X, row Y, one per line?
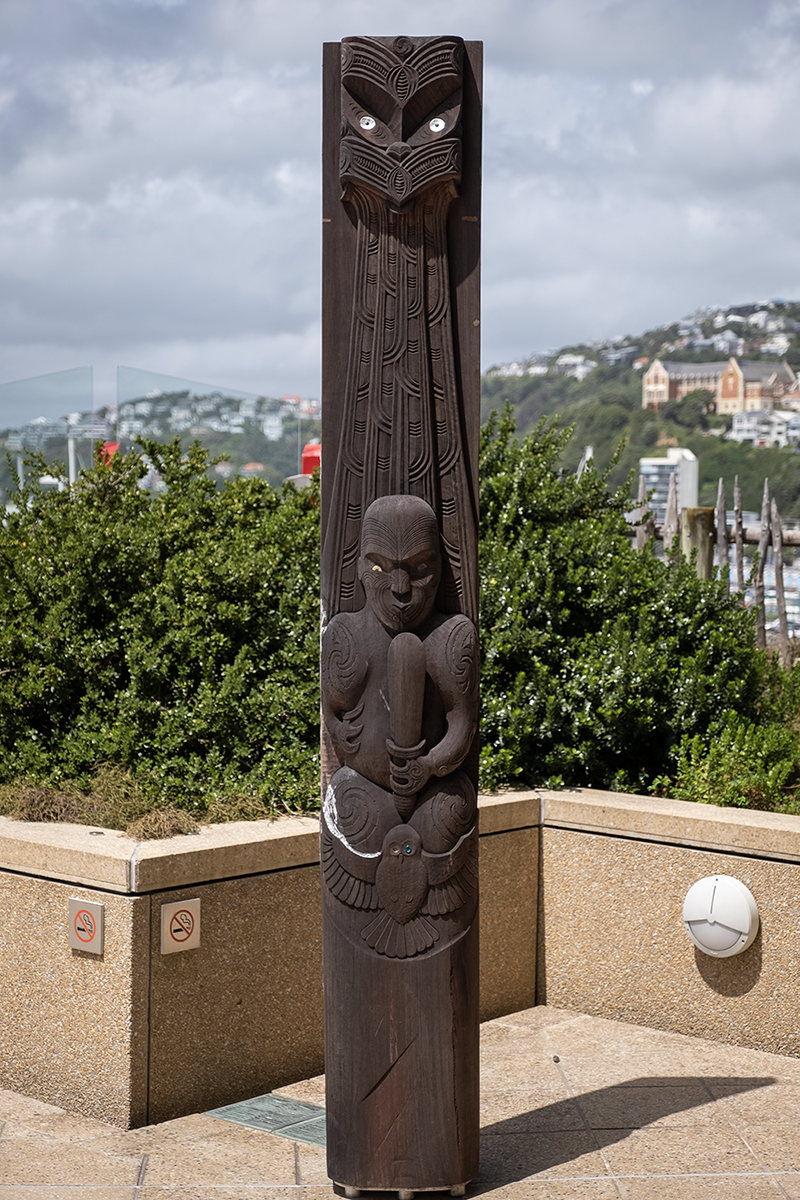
column 453, row 876
column 350, row 876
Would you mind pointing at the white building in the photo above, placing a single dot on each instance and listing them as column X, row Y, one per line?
column 575, row 365
column 778, row 343
column 764, row 427
column 656, row 473
column 727, row 342
column 272, row 426
column 181, row 419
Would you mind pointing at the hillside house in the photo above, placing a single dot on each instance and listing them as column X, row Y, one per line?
column 750, row 386
column 673, row 380
column 737, row 386
column 762, row 427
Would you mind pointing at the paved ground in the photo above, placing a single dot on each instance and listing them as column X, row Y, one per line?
column 574, row 1108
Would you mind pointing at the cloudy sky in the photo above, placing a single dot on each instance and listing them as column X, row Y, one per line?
column 159, row 200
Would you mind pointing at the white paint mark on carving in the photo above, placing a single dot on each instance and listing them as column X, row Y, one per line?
column 332, row 821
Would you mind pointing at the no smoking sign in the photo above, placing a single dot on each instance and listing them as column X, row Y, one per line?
column 86, row 925
column 180, row 926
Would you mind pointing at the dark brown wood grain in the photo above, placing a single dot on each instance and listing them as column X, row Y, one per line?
column 401, row 395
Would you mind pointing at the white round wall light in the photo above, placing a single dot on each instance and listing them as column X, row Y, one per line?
column 720, row 915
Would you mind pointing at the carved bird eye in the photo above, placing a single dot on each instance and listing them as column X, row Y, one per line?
column 435, row 126
column 394, row 849
column 408, row 848
column 370, row 123
column 377, row 568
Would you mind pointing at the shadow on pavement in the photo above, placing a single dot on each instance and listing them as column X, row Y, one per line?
column 559, row 1133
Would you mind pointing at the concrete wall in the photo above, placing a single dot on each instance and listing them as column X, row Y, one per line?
column 133, row 1036
column 73, row 1027
column 615, row 870
column 581, row 899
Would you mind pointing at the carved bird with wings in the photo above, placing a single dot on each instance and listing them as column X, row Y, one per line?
column 408, row 886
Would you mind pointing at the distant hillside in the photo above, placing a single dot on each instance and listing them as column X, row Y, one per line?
column 256, row 435
column 605, row 408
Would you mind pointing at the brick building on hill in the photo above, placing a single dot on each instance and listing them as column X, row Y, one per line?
column 754, row 386
column 664, row 381
column 737, row 386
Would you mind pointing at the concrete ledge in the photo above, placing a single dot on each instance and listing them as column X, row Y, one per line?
column 104, row 858
column 513, row 809
column 225, row 852
column 67, row 852
column 581, row 901
column 679, row 822
column 106, row 1035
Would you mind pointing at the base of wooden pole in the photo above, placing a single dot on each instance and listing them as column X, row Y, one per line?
column 401, row 1067
column 352, row 1193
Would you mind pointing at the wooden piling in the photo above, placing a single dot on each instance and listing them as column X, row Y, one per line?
column 722, row 536
column 739, row 536
column 777, row 546
column 697, row 533
column 645, row 529
column 671, row 523
column 763, row 544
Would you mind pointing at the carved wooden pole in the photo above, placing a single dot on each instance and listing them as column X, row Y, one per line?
column 401, row 396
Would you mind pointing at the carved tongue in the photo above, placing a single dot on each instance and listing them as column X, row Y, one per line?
column 406, row 695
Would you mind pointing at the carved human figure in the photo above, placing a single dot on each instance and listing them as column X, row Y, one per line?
column 400, row 701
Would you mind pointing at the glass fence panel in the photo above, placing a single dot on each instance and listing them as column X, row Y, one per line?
column 259, row 435
column 39, row 408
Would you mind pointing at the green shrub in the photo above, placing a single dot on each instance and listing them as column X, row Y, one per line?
column 597, row 659
column 172, row 635
column 738, row 764
column 161, row 650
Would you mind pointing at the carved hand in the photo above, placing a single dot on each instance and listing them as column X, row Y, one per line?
column 348, row 733
column 408, row 772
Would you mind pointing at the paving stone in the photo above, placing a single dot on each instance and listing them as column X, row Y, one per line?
column 684, row 1151
column 626, row 1114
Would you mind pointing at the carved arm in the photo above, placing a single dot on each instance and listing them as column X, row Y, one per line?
column 343, row 671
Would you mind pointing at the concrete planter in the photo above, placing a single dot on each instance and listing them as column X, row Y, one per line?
column 581, row 897
column 133, row 1036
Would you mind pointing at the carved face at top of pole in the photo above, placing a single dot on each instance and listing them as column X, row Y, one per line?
column 400, row 565
column 401, row 114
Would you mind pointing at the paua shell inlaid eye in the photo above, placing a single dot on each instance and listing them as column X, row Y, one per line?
column 436, row 125
column 370, row 123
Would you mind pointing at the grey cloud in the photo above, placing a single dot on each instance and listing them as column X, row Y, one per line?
column 159, row 173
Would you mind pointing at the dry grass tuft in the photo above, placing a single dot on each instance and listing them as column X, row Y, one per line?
column 25, row 801
column 113, row 801
column 237, row 808
column 163, row 823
